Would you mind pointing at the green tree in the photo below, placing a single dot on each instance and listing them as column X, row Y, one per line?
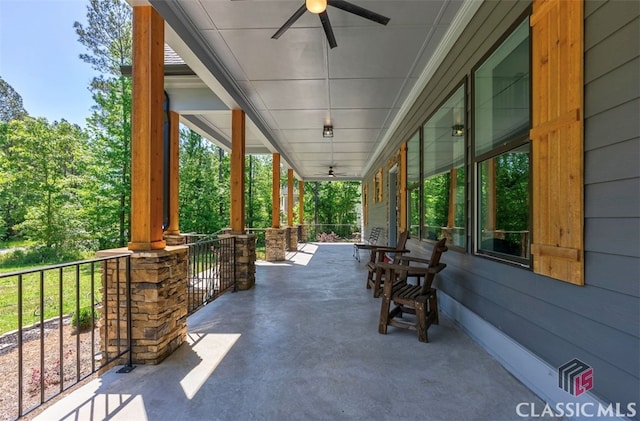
column 332, row 203
column 258, row 203
column 10, row 103
column 47, row 161
column 204, row 176
column 11, row 209
column 108, row 39
column 512, row 197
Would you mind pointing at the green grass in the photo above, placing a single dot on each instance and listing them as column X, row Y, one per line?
column 15, row 243
column 56, row 284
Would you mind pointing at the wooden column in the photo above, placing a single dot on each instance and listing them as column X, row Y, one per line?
column 174, row 174
column 301, row 202
column 237, row 171
column 147, row 130
column 275, row 198
column 290, row 197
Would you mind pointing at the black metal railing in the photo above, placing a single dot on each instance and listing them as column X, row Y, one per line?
column 211, row 271
column 48, row 320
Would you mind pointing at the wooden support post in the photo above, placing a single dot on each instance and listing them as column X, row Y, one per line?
column 290, row 197
column 174, row 174
column 237, row 171
column 275, row 198
column 301, row 202
column 147, row 130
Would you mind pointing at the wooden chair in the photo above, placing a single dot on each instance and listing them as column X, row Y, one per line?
column 375, row 275
column 371, row 241
column 420, row 300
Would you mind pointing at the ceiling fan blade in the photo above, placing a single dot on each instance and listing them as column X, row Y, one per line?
column 290, row 21
column 360, row 11
column 324, row 18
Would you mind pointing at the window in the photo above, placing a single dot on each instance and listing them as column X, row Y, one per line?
column 444, row 172
column 504, row 203
column 413, row 184
column 502, row 151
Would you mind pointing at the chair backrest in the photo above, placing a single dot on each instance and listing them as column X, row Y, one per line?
column 402, row 240
column 434, row 264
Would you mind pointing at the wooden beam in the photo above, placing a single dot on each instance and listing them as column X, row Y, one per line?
column 290, row 197
column 147, row 130
column 275, row 197
column 174, row 174
column 237, row 171
column 301, row 202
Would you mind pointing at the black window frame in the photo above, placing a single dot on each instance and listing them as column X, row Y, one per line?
column 514, row 143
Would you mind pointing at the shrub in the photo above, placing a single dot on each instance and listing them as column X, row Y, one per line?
column 83, row 321
column 324, row 237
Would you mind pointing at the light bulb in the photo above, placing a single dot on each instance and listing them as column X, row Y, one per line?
column 316, row 6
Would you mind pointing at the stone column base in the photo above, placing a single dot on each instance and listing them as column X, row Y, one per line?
column 175, row 239
column 292, row 244
column 245, row 258
column 275, row 244
column 302, row 233
column 158, row 304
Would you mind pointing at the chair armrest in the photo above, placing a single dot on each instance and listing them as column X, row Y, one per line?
column 404, row 268
column 388, row 249
column 414, row 259
column 437, row 268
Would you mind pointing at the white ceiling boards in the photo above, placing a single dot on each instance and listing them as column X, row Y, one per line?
column 290, row 87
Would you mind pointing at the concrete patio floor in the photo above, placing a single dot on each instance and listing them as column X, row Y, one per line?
column 304, row 345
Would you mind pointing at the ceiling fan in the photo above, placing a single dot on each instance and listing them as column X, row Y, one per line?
column 319, row 7
column 333, row 173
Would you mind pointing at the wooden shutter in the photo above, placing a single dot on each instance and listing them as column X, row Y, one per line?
column 557, row 139
column 403, row 186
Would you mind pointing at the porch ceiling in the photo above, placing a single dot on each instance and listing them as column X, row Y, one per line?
column 292, row 86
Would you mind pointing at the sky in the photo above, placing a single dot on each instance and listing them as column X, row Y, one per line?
column 39, row 57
